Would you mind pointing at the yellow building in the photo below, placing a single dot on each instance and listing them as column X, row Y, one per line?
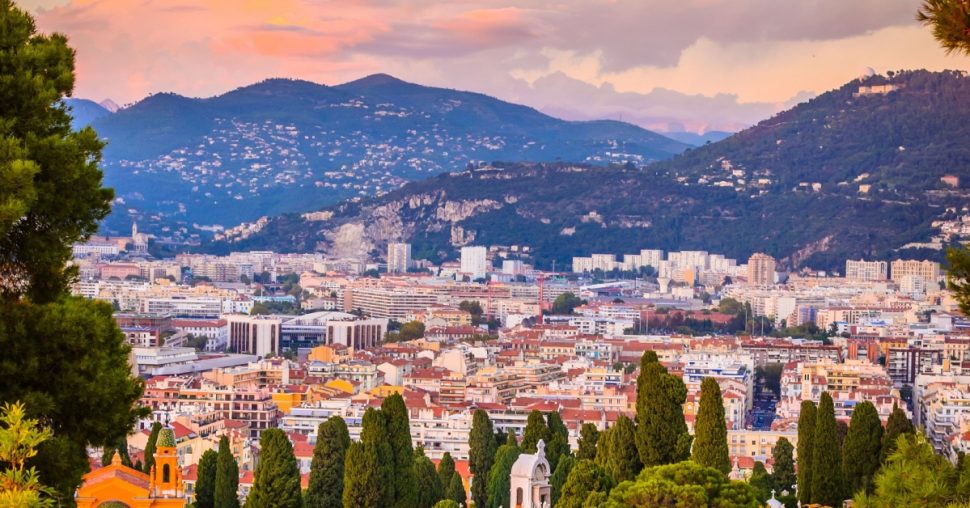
column 116, row 485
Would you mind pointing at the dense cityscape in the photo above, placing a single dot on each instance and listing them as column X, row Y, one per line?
column 752, row 291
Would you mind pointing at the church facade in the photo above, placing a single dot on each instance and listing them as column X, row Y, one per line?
column 119, row 486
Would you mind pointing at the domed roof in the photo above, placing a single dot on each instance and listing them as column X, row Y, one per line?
column 527, row 463
column 166, row 437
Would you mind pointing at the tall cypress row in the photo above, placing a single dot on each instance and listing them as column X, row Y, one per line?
column 403, row 486
column 205, row 483
column 827, row 483
column 860, row 451
column 710, row 431
column 481, row 455
column 662, row 436
column 276, row 481
column 227, row 477
column 806, row 448
column 327, row 467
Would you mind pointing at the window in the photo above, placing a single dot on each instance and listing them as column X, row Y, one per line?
column 166, row 473
column 518, row 496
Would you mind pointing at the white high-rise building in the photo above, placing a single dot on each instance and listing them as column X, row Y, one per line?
column 866, row 270
column 398, row 257
column 474, row 262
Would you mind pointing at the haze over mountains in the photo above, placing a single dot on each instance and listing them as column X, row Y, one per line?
column 286, row 145
column 855, row 172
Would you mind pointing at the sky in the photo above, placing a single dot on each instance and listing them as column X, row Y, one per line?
column 669, row 65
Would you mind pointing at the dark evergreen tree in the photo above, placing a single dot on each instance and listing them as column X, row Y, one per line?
column 624, row 459
column 205, row 482
column 761, row 481
column 481, row 455
column 428, row 484
column 511, row 439
column 806, row 448
column 897, row 425
column 276, row 481
column 227, row 477
column 362, row 478
column 585, row 478
column 558, row 444
column 446, row 470
column 535, row 429
column 558, row 478
column 828, row 487
column 587, row 442
column 604, row 448
column 710, row 431
column 783, row 475
column 399, row 436
column 456, row 491
column 64, row 356
column 499, row 487
column 662, row 436
column 327, row 466
column 121, row 447
column 860, row 451
column 150, row 447
column 373, row 435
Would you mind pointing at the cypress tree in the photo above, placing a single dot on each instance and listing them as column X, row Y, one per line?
column 558, row 478
column 428, row 484
column 227, row 477
column 205, row 483
column 446, row 470
column 624, row 460
column 710, row 431
column 587, row 442
column 122, row 448
column 585, row 478
column 399, row 436
column 558, row 444
column 150, row 447
column 481, row 455
column 806, row 447
column 499, row 487
column 860, row 452
column 456, row 491
column 827, row 484
column 783, row 475
column 373, row 435
column 662, row 436
column 362, row 477
column 897, row 425
column 276, row 482
column 327, row 467
column 511, row 439
column 761, row 482
column 604, row 448
column 535, row 429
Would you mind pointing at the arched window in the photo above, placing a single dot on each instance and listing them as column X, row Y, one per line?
column 518, row 496
column 166, row 474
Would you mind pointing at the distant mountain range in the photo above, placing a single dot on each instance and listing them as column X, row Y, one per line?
column 180, row 165
column 855, row 172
